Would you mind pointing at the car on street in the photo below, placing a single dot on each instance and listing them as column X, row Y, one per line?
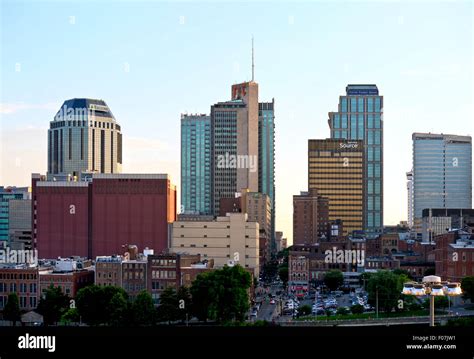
column 272, row 301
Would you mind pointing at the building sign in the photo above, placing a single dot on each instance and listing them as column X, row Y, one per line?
column 348, row 145
column 363, row 92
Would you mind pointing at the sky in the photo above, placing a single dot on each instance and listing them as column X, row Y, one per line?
column 153, row 60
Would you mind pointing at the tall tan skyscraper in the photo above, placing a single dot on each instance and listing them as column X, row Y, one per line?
column 234, row 143
column 336, row 171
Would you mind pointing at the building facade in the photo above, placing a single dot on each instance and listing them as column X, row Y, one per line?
column 100, row 216
column 336, row 171
column 234, row 143
column 22, row 280
column 442, row 173
column 227, row 240
column 310, row 217
column 8, row 194
column 196, row 164
column 360, row 117
column 83, row 138
column 266, row 158
column 410, row 201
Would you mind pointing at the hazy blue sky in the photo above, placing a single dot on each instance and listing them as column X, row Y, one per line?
column 151, row 61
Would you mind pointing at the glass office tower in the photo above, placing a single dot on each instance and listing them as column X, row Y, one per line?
column 196, row 164
column 83, row 138
column 360, row 117
column 442, row 172
column 266, row 157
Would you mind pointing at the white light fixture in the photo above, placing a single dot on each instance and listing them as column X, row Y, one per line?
column 407, row 288
column 437, row 290
column 453, row 289
column 419, row 289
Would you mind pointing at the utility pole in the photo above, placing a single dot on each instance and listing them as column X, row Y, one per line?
column 432, row 298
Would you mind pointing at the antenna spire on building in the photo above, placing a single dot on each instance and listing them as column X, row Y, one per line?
column 253, row 65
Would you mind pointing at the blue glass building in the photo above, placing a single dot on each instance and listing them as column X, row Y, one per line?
column 442, row 172
column 7, row 194
column 196, row 164
column 360, row 117
column 266, row 159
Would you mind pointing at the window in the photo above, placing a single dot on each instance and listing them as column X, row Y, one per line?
column 361, row 104
column 370, row 121
column 377, row 153
column 377, row 120
column 353, row 104
column 377, row 104
column 370, row 184
column 343, row 104
column 377, row 170
column 344, row 121
column 353, row 127
column 370, row 104
column 370, row 152
column 360, row 125
column 377, row 186
column 377, row 137
column 370, row 170
column 337, row 121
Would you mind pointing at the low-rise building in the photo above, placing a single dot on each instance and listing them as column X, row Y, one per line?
column 23, row 280
column 69, row 274
column 227, row 240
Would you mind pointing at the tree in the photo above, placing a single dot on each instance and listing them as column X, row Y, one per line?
column 342, row 311
column 70, row 316
column 283, row 273
column 221, row 295
column 439, row 303
column 467, row 285
column 387, row 287
column 168, row 309
column 333, row 279
column 95, row 304
column 118, row 310
column 11, row 311
column 399, row 271
column 357, row 309
column 53, row 305
column 143, row 309
column 304, row 310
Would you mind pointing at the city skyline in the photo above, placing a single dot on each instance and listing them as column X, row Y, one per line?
column 427, row 88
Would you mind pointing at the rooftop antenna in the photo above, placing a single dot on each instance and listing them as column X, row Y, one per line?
column 253, row 65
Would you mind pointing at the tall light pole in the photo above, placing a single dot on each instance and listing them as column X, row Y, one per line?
column 433, row 287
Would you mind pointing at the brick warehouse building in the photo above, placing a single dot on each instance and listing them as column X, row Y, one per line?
column 97, row 217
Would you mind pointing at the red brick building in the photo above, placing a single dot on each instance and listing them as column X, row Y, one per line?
column 310, row 217
column 454, row 255
column 22, row 280
column 98, row 217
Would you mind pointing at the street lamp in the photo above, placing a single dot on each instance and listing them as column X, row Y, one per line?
column 431, row 285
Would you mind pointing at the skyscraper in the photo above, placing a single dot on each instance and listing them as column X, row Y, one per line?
column 360, row 117
column 336, row 171
column 83, row 138
column 234, row 143
column 196, row 164
column 266, row 158
column 410, row 198
column 442, row 172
